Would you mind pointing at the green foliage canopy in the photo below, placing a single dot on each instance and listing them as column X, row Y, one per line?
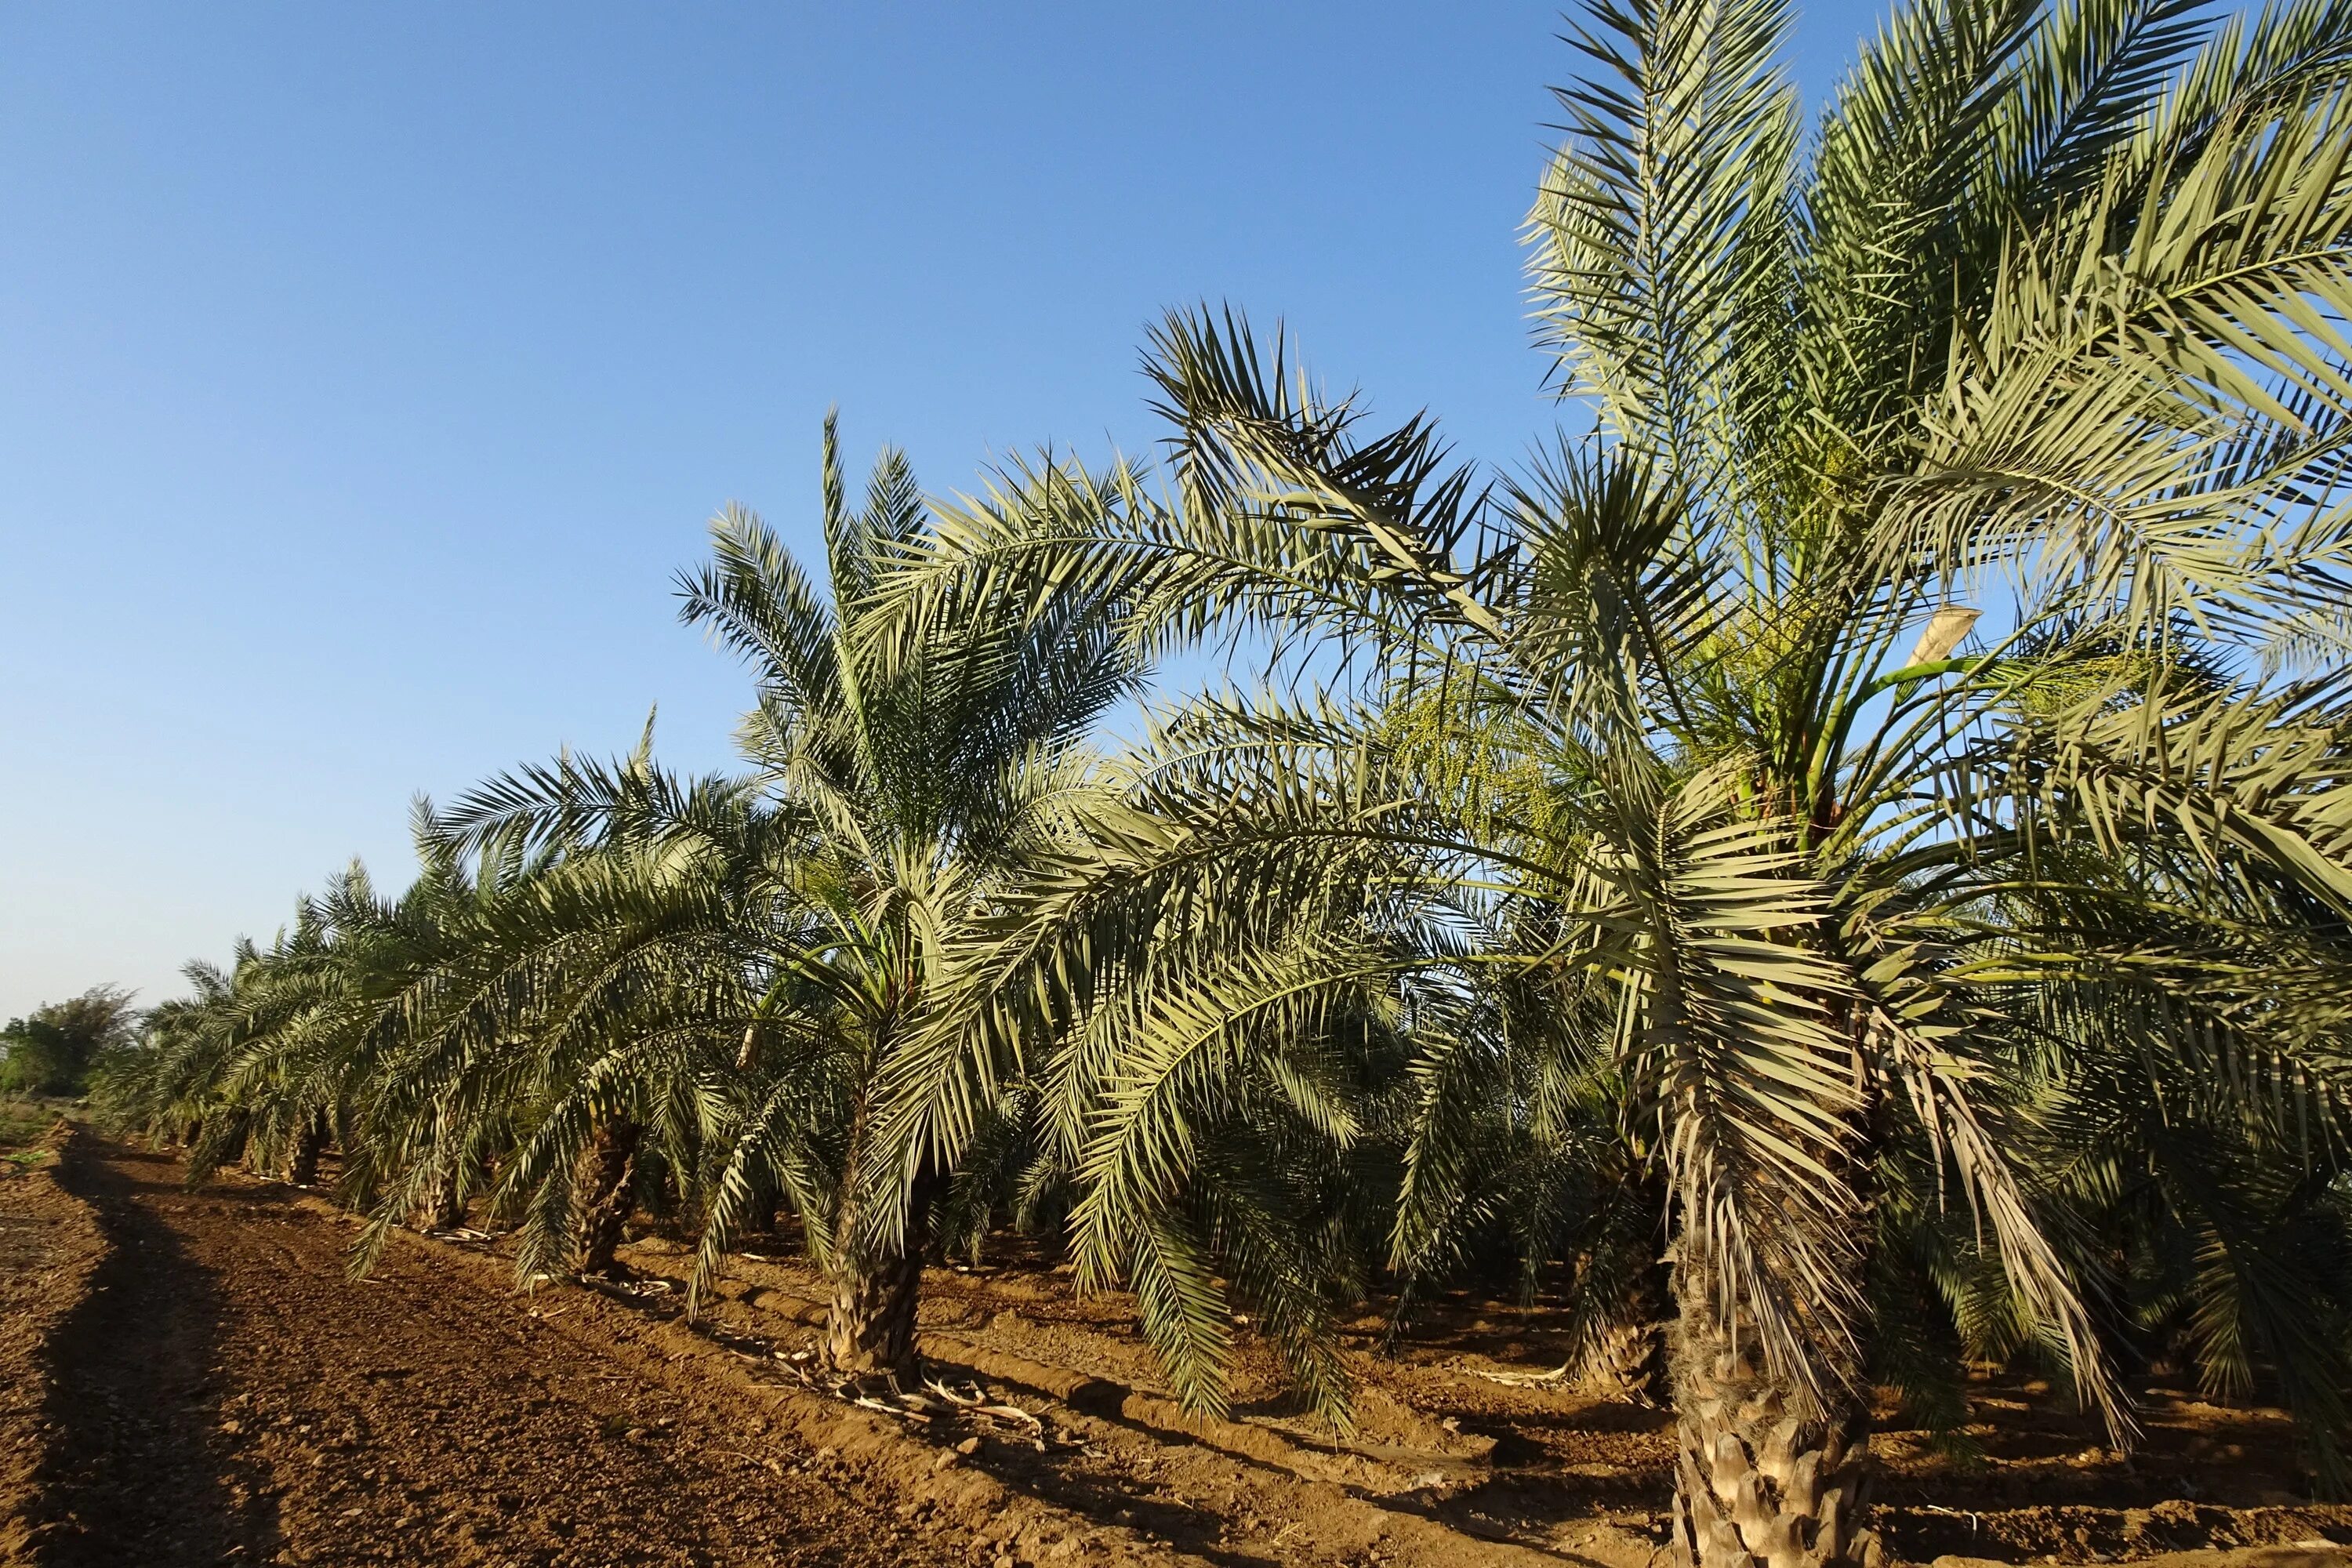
column 52, row 1049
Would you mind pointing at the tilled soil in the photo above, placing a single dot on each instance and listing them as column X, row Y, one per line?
column 195, row 1380
column 224, row 1394
column 49, row 1247
column 1461, row 1460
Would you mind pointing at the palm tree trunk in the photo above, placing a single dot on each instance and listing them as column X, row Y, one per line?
column 869, row 1330
column 309, row 1145
column 762, row 1217
column 1757, row 1485
column 610, row 1178
column 442, row 1208
column 1619, row 1361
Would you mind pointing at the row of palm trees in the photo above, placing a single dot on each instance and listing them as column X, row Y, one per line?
column 1647, row 862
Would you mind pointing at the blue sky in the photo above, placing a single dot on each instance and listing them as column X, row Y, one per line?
column 366, row 372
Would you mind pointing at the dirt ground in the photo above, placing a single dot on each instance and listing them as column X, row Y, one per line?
column 49, row 1247
column 192, row 1378
column 1460, row 1457
column 221, row 1393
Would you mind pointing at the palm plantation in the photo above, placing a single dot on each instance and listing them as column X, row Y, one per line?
column 1669, row 786
column 1845, row 849
column 626, row 973
column 905, row 771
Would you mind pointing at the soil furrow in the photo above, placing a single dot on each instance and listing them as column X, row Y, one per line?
column 224, row 1392
column 207, row 1385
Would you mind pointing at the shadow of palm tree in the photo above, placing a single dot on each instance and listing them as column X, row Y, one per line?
column 139, row 1469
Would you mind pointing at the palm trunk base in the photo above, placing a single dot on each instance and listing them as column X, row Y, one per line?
column 870, row 1330
column 612, row 1163
column 442, row 1208
column 761, row 1219
column 309, row 1145
column 1622, row 1362
column 1756, row 1485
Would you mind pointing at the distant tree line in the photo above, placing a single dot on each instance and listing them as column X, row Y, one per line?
column 52, row 1049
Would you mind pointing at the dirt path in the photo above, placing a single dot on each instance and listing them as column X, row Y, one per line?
column 225, row 1393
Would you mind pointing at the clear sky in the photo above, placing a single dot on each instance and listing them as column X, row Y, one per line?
column 365, row 372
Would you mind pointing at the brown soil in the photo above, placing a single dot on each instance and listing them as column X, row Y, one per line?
column 49, row 1247
column 1451, row 1465
column 223, row 1394
column 215, row 1390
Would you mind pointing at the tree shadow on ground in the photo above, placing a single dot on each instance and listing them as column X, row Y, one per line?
column 138, row 1468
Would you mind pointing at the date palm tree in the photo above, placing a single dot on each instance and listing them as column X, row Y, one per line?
column 775, row 949
column 540, row 1049
column 1668, row 757
column 161, row 1084
column 211, row 1069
